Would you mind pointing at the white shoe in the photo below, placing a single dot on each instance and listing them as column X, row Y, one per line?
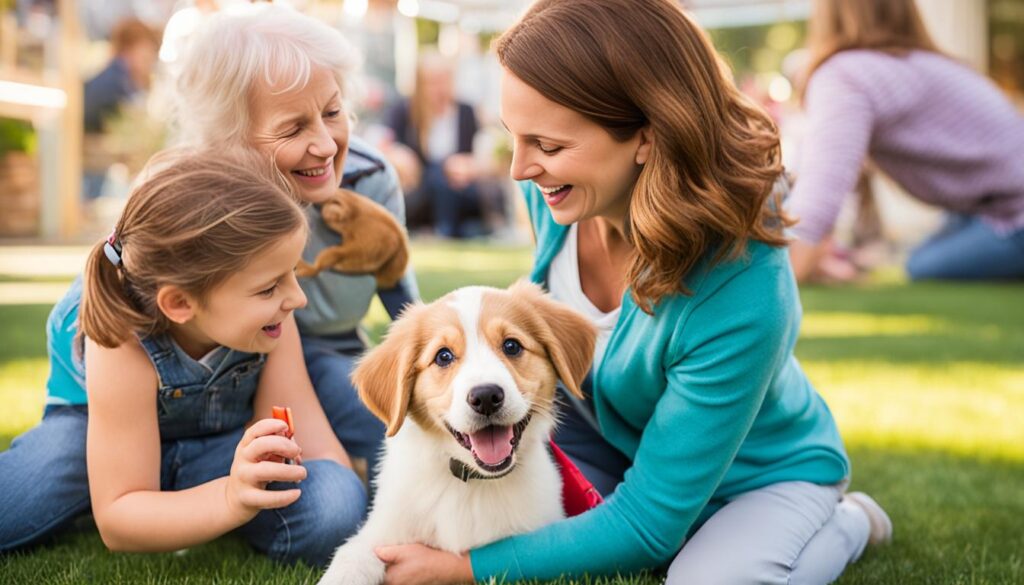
column 881, row 525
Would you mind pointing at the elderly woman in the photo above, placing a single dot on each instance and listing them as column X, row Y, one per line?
column 274, row 80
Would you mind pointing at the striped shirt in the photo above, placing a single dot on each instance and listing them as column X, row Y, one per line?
column 944, row 133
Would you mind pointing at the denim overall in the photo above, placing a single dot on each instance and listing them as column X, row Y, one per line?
column 202, row 412
column 192, row 399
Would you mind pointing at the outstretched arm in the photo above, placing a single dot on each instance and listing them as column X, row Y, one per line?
column 841, row 120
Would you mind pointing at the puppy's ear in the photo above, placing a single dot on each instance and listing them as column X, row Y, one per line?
column 386, row 375
column 567, row 336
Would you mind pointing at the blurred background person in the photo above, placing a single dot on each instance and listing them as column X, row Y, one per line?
column 878, row 88
column 124, row 81
column 433, row 135
column 180, row 27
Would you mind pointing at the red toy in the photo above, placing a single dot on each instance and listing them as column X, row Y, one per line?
column 284, row 413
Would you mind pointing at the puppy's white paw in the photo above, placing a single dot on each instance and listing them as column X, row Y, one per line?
column 354, row 565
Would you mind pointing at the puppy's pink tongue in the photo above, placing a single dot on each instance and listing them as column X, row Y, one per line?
column 492, row 444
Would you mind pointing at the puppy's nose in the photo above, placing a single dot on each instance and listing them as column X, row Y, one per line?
column 486, row 398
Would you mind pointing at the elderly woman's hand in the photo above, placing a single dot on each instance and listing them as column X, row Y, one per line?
column 416, row 564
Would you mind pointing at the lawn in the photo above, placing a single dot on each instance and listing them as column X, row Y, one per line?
column 926, row 381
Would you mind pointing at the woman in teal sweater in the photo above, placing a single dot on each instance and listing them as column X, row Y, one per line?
column 649, row 179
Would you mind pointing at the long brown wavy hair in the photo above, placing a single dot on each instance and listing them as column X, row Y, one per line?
column 891, row 26
column 420, row 114
column 197, row 218
column 627, row 64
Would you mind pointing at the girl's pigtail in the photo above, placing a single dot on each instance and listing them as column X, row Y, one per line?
column 107, row 316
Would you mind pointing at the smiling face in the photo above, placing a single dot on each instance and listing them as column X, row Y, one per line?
column 245, row 311
column 484, row 376
column 477, row 369
column 581, row 169
column 305, row 130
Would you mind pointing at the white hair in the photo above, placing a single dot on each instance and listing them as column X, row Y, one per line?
column 236, row 49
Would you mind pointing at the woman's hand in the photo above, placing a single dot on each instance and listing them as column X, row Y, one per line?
column 818, row 263
column 460, row 170
column 258, row 462
column 804, row 257
column 416, row 564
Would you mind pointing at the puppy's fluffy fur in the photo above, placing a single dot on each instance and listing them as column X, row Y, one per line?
column 372, row 241
column 435, row 382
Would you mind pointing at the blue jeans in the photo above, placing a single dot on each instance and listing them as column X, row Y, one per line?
column 967, row 248
column 332, row 505
column 456, row 213
column 43, row 487
column 330, row 363
column 43, row 481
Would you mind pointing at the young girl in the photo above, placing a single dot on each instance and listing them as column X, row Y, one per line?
column 187, row 334
column 878, row 89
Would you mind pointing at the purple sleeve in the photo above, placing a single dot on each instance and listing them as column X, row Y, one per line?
column 840, row 120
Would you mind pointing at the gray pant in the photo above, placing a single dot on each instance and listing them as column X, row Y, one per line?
column 791, row 533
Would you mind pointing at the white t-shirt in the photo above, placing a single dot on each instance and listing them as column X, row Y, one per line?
column 442, row 139
column 564, row 285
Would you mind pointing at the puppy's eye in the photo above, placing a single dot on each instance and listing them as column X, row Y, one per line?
column 444, row 357
column 512, row 347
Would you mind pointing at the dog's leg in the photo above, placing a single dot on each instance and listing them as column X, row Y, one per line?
column 355, row 563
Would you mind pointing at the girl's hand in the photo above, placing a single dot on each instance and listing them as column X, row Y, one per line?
column 257, row 463
column 416, row 564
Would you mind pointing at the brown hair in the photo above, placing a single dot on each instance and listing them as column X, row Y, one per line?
column 715, row 155
column 130, row 32
column 420, row 114
column 197, row 218
column 892, row 26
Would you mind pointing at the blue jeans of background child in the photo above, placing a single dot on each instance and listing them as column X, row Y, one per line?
column 968, row 248
column 43, row 487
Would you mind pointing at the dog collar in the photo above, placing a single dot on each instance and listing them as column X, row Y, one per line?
column 465, row 473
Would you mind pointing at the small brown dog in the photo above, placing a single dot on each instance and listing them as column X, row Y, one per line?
column 372, row 241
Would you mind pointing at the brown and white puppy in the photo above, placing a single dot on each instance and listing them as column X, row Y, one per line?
column 372, row 240
column 466, row 386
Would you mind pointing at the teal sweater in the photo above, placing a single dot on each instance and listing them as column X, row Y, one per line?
column 707, row 400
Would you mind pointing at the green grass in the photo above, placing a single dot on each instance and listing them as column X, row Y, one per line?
column 926, row 381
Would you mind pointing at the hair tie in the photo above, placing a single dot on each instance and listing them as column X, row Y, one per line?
column 112, row 248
